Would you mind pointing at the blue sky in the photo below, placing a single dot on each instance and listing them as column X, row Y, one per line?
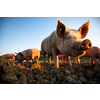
column 21, row 33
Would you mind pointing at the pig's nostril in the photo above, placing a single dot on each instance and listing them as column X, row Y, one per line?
column 86, row 44
column 83, row 44
column 89, row 45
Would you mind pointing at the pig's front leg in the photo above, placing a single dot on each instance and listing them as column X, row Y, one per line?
column 93, row 60
column 56, row 58
column 49, row 59
column 33, row 59
column 78, row 60
column 68, row 60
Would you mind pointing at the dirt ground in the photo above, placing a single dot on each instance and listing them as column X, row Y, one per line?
column 39, row 73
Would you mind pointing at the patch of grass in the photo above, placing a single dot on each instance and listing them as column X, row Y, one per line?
column 42, row 59
column 87, row 59
column 71, row 59
column 82, row 59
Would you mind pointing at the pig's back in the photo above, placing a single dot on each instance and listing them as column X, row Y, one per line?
column 27, row 53
column 95, row 51
column 35, row 52
column 7, row 56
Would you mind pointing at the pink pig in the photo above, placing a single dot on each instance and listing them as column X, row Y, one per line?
column 62, row 57
column 93, row 53
column 66, row 41
column 8, row 56
column 27, row 54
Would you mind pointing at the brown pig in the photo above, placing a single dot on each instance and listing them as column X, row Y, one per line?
column 27, row 54
column 8, row 56
column 93, row 53
column 66, row 41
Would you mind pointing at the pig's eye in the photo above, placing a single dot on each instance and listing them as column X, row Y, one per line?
column 68, row 37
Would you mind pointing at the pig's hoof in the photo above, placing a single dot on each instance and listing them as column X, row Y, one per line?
column 49, row 62
column 79, row 62
column 56, row 66
column 74, row 63
column 96, row 66
column 70, row 64
column 44, row 63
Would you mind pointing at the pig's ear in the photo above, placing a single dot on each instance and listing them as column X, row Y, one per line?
column 21, row 54
column 60, row 28
column 15, row 53
column 84, row 29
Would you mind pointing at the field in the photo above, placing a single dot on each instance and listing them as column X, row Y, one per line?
column 12, row 72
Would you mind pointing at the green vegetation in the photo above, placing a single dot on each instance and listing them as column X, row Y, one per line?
column 42, row 59
column 71, row 59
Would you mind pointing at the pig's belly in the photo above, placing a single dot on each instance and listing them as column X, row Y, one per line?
column 48, row 51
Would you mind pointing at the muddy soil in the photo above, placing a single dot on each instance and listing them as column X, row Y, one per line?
column 39, row 73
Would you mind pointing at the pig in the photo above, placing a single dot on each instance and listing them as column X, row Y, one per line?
column 8, row 56
column 27, row 54
column 62, row 57
column 93, row 53
column 66, row 41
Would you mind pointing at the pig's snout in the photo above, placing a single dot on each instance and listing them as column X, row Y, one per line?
column 86, row 45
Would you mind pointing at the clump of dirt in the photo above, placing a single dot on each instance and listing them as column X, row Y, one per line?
column 12, row 72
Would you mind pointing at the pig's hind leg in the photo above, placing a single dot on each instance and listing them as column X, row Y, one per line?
column 33, row 58
column 44, row 56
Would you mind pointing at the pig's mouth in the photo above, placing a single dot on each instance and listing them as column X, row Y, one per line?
column 74, row 52
column 78, row 52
